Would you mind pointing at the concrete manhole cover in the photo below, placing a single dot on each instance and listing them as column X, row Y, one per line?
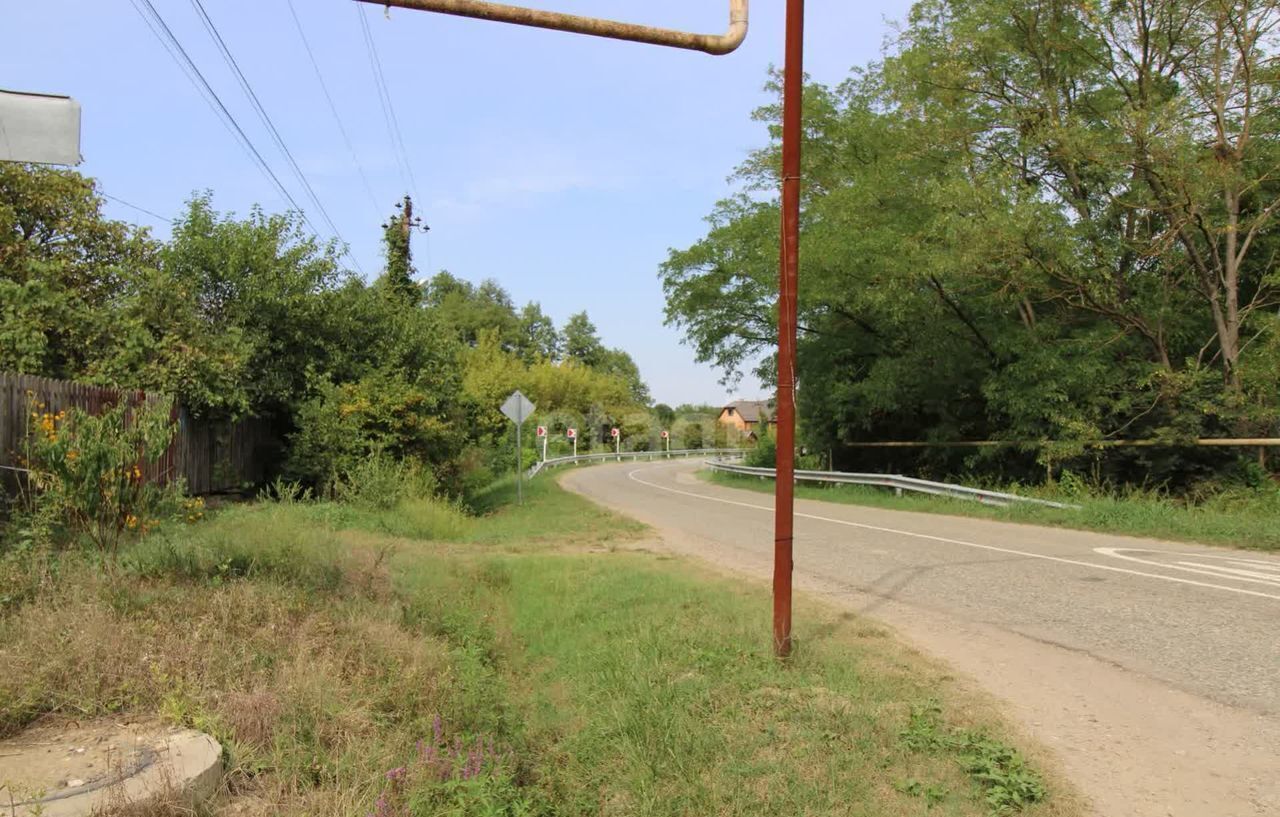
column 72, row 769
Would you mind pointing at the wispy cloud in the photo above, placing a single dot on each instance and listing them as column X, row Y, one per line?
column 497, row 176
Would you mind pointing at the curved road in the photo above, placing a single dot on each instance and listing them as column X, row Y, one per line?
column 1151, row 668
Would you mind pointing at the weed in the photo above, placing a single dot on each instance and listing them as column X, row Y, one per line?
column 1010, row 784
column 932, row 793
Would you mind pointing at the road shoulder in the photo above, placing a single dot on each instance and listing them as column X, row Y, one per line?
column 1134, row 746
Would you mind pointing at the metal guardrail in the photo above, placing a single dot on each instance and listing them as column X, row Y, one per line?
column 645, row 456
column 895, row 481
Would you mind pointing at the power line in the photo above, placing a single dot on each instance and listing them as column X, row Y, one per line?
column 388, row 109
column 333, row 108
column 161, row 29
column 119, row 200
column 258, row 107
column 192, row 75
column 156, row 23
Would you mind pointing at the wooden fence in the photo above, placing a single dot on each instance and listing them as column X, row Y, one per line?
column 211, row 456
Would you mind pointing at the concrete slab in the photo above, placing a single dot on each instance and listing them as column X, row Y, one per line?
column 68, row 770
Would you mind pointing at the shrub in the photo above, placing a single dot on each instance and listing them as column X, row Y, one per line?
column 87, row 470
column 765, row 454
column 384, row 414
column 380, row 483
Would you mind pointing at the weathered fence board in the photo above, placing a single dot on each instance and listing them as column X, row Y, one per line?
column 211, row 456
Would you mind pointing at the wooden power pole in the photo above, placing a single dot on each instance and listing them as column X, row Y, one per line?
column 406, row 220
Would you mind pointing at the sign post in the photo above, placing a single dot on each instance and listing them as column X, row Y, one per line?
column 617, row 442
column 542, row 432
column 518, row 408
column 572, row 434
column 666, row 438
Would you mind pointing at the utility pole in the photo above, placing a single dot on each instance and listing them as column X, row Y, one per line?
column 784, row 482
column 397, row 234
column 406, row 221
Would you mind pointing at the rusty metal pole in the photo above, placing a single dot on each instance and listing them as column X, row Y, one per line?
column 715, row 44
column 784, row 485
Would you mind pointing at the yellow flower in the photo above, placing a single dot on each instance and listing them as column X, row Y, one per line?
column 72, row 454
column 131, row 521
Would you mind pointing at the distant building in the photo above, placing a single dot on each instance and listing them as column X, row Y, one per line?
column 746, row 416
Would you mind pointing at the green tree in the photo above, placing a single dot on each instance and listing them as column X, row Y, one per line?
column 62, row 267
column 259, row 280
column 472, row 310
column 582, row 341
column 1033, row 219
column 538, row 337
column 664, row 414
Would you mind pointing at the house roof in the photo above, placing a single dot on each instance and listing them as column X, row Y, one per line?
column 751, row 410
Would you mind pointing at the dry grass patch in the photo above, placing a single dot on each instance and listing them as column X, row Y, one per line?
column 347, row 670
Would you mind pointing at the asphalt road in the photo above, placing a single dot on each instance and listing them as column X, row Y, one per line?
column 1152, row 669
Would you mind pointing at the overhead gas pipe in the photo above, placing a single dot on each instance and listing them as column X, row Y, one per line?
column 500, row 12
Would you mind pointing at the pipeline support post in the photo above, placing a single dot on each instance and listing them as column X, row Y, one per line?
column 784, row 485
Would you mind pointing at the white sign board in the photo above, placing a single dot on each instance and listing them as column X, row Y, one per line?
column 518, row 408
column 666, row 435
column 39, row 128
column 542, row 431
column 613, row 432
column 571, row 433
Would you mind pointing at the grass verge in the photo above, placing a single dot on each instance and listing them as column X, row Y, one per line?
column 1243, row 520
column 418, row 661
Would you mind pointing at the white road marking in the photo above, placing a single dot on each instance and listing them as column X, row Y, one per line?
column 1219, row 572
column 1110, row 568
column 1266, row 578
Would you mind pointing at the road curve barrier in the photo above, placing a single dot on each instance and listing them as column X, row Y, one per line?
column 895, row 481
column 642, row 456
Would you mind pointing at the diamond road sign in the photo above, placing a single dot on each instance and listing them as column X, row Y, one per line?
column 518, row 408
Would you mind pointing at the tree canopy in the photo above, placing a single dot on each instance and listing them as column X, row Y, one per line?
column 238, row 316
column 1033, row 220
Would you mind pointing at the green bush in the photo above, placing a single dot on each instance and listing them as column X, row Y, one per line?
column 382, row 415
column 381, row 483
column 87, row 470
column 765, row 454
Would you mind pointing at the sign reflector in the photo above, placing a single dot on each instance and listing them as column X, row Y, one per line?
column 571, row 433
column 666, row 435
column 613, row 432
column 542, row 431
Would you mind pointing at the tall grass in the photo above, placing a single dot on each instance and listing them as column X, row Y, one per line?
column 516, row 668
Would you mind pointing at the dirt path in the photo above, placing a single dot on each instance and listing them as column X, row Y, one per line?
column 1151, row 669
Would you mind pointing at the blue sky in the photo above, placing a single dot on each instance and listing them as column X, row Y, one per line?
column 564, row 167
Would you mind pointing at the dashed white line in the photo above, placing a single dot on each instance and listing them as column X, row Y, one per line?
column 1110, row 568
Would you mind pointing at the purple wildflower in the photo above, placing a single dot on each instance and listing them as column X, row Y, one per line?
column 437, row 726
